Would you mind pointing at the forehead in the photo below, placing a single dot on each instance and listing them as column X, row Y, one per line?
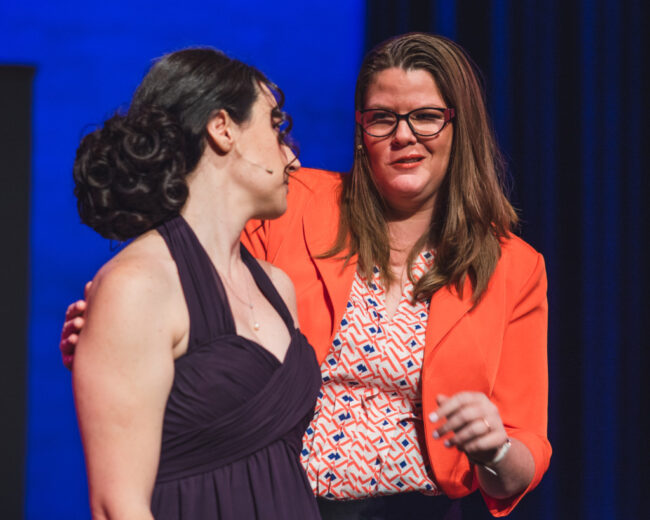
column 266, row 99
column 403, row 90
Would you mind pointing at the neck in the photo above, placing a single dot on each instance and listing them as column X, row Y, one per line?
column 217, row 212
column 406, row 228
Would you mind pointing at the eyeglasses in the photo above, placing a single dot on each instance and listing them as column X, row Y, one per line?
column 282, row 122
column 425, row 122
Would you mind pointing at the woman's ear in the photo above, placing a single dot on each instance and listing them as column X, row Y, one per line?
column 220, row 132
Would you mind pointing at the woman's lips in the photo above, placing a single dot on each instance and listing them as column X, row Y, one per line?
column 410, row 161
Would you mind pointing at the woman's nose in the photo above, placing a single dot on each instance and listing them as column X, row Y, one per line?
column 294, row 162
column 403, row 133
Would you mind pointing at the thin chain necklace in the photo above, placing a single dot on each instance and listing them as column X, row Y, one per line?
column 249, row 303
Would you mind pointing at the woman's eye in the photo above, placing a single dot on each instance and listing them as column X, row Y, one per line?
column 430, row 115
column 380, row 117
column 279, row 121
column 276, row 124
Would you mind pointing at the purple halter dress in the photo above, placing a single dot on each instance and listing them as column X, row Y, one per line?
column 235, row 416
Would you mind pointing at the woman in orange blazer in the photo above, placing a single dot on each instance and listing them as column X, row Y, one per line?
column 497, row 347
column 425, row 180
column 427, row 175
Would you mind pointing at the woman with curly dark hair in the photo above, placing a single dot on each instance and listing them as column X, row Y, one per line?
column 192, row 383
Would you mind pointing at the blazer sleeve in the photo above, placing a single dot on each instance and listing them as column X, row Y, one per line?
column 521, row 385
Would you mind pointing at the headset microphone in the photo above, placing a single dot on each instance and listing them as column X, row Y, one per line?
column 267, row 170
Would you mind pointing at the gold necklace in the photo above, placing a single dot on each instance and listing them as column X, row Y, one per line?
column 249, row 303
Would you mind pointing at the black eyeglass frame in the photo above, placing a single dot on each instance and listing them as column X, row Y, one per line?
column 448, row 114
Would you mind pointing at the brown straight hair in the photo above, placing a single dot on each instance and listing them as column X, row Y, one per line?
column 472, row 212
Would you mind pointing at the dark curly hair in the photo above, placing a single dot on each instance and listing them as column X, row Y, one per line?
column 130, row 174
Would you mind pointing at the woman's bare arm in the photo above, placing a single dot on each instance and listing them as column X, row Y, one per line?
column 123, row 371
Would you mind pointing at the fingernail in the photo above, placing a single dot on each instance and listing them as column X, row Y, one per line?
column 433, row 417
column 436, row 435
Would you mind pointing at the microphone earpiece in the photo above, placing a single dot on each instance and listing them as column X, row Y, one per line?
column 267, row 170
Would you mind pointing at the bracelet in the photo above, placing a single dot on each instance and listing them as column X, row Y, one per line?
column 498, row 457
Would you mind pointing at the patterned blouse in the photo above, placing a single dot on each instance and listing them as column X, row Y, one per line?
column 366, row 436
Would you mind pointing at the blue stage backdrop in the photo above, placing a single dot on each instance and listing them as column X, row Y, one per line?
column 89, row 56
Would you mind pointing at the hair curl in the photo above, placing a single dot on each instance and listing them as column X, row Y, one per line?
column 130, row 175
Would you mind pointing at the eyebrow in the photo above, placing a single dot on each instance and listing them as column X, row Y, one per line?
column 382, row 107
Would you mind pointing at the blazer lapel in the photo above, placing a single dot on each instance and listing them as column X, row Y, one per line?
column 445, row 310
column 448, row 371
column 320, row 226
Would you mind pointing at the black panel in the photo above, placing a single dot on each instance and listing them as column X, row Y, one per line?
column 15, row 152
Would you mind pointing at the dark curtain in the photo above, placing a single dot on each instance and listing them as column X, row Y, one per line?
column 15, row 177
column 567, row 85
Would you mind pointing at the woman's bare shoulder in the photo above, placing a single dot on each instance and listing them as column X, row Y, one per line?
column 284, row 286
column 145, row 262
column 141, row 280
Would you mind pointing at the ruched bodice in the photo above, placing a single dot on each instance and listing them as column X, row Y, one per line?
column 235, row 415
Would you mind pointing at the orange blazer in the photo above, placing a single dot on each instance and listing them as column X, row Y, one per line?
column 498, row 348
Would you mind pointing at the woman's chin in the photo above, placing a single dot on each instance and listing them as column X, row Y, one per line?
column 272, row 212
column 407, row 195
